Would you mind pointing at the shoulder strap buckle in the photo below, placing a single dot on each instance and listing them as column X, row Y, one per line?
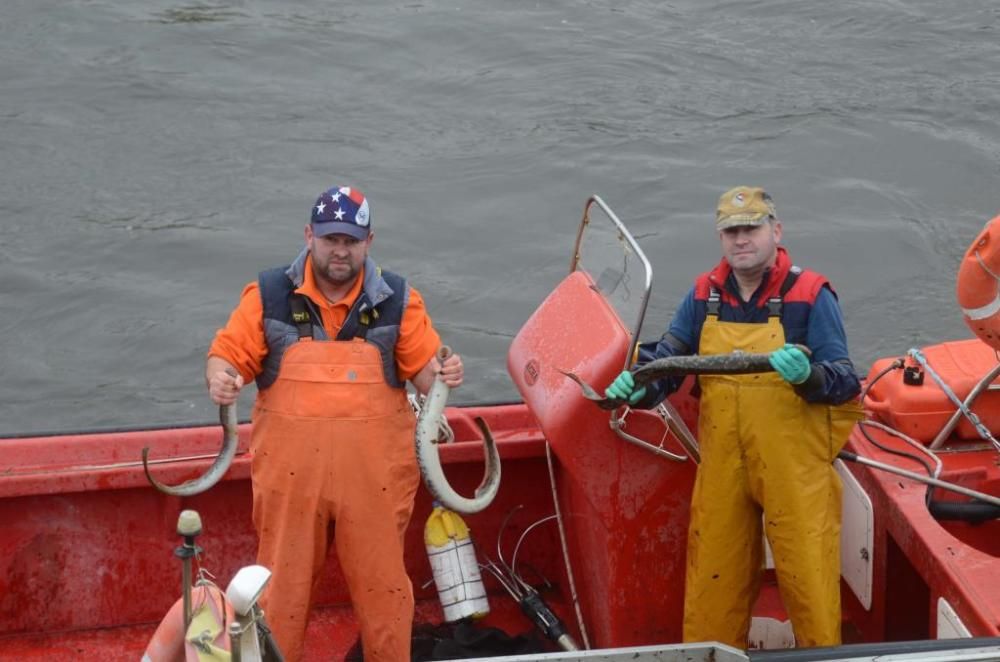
column 714, row 302
column 776, row 304
column 301, row 315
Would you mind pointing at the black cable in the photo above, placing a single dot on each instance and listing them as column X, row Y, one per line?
column 973, row 512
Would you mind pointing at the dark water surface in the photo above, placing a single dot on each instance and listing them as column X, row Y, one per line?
column 157, row 155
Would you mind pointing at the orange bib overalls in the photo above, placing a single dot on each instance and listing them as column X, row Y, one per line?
column 333, row 443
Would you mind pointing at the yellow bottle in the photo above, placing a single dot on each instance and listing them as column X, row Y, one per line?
column 453, row 562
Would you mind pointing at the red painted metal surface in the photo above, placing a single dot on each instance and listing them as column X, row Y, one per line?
column 86, row 554
column 87, row 569
column 917, row 559
column 625, row 509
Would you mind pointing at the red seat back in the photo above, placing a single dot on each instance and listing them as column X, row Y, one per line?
column 625, row 510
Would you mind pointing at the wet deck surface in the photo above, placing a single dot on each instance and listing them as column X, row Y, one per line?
column 331, row 634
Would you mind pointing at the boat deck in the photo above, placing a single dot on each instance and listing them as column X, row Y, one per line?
column 332, row 632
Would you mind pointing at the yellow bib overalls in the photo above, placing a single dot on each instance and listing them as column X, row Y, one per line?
column 765, row 451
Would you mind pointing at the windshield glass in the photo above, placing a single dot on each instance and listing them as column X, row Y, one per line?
column 616, row 264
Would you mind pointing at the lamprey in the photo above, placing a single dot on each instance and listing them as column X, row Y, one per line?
column 230, row 440
column 733, row 363
column 428, row 424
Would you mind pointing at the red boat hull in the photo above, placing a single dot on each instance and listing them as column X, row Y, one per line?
column 86, row 556
column 87, row 569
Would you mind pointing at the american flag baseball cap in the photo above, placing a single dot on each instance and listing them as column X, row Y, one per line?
column 341, row 210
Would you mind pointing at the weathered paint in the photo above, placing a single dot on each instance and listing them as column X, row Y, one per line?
column 86, row 551
column 625, row 510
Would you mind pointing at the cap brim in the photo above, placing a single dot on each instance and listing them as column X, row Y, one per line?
column 334, row 227
column 743, row 220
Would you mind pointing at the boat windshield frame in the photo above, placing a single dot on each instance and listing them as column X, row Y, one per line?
column 625, row 236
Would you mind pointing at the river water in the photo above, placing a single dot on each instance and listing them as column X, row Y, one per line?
column 158, row 154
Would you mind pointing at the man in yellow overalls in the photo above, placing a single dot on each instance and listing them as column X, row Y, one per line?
column 767, row 440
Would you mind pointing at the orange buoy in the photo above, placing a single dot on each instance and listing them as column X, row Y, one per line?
column 979, row 285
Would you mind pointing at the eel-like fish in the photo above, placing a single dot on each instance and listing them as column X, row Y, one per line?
column 230, row 440
column 733, row 363
column 430, row 462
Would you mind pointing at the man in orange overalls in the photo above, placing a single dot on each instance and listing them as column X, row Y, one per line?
column 767, row 440
column 331, row 340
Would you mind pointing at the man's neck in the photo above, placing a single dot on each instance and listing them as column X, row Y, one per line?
column 334, row 292
column 748, row 282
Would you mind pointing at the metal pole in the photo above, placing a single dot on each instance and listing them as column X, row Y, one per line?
column 235, row 641
column 188, row 526
column 983, row 385
column 853, row 457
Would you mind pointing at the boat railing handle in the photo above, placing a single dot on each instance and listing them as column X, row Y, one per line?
column 675, row 427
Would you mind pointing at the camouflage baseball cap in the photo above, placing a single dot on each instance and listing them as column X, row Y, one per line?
column 743, row 205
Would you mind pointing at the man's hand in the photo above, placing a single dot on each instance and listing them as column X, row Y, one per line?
column 623, row 388
column 224, row 386
column 451, row 371
column 791, row 363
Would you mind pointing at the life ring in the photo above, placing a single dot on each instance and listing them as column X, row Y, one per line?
column 978, row 285
column 211, row 613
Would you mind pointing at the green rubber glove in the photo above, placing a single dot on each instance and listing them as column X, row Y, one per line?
column 791, row 363
column 622, row 389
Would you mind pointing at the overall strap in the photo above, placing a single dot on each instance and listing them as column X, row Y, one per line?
column 713, row 302
column 359, row 320
column 301, row 316
column 776, row 304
